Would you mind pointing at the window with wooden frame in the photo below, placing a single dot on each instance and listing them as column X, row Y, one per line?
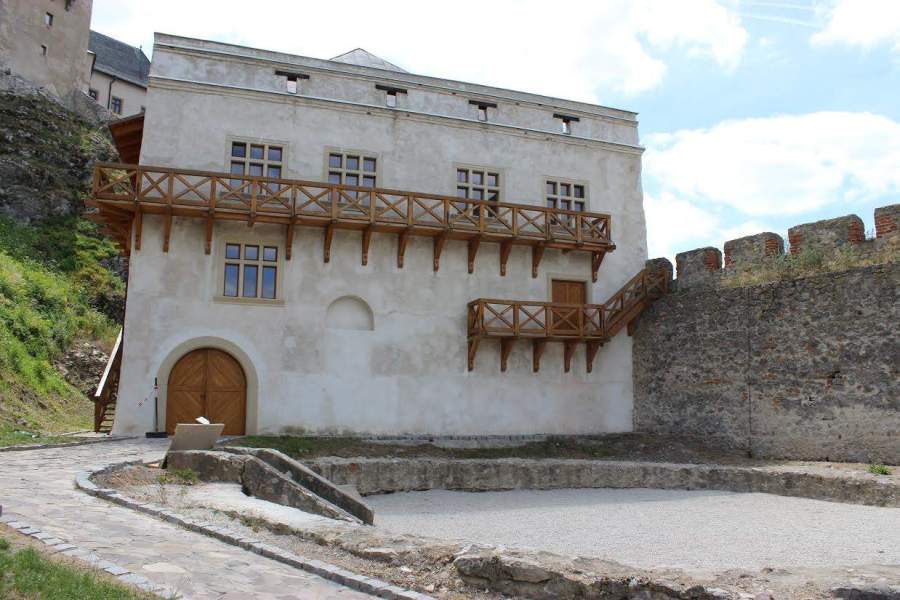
column 478, row 183
column 250, row 271
column 256, row 159
column 352, row 168
column 115, row 105
column 566, row 195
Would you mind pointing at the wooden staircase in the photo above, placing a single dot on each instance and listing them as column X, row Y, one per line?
column 108, row 390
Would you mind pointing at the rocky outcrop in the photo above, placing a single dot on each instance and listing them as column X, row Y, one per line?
column 47, row 154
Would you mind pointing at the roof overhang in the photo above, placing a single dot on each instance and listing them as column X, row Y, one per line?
column 127, row 135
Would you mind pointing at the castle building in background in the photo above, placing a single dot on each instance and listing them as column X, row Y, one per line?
column 46, row 42
column 343, row 246
column 119, row 75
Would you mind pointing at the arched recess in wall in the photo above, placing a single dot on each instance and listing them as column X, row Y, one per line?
column 350, row 312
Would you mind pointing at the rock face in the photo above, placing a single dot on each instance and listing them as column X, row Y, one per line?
column 46, row 154
column 802, row 369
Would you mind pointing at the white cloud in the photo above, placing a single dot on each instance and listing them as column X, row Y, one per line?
column 781, row 165
column 565, row 49
column 862, row 23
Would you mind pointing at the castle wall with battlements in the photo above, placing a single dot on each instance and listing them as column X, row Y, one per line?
column 806, row 367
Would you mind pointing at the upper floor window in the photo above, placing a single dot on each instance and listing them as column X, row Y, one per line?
column 390, row 94
column 257, row 160
column 565, row 195
column 476, row 183
column 115, row 105
column 566, row 123
column 292, row 80
column 94, row 94
column 352, row 168
column 48, row 19
column 43, row 50
column 482, row 108
column 250, row 271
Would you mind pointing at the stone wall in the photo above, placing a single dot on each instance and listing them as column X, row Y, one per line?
column 806, row 368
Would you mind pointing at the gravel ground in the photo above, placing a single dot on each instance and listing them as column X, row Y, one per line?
column 695, row 531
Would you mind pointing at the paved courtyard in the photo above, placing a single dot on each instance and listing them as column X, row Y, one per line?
column 38, row 484
column 691, row 530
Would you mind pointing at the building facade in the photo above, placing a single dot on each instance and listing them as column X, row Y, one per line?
column 263, row 299
column 46, row 42
column 118, row 76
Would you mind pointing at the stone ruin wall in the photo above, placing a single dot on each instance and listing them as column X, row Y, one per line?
column 807, row 368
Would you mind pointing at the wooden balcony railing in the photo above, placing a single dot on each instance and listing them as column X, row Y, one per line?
column 542, row 322
column 123, row 193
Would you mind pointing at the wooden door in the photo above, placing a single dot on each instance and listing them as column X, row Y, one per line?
column 207, row 383
column 566, row 321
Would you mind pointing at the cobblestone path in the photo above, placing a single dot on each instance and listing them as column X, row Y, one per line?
column 39, row 486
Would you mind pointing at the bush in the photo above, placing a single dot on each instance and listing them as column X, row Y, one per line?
column 879, row 469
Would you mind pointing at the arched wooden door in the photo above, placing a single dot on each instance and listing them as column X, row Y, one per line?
column 207, row 383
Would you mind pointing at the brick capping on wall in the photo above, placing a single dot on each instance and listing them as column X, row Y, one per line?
column 804, row 368
column 703, row 266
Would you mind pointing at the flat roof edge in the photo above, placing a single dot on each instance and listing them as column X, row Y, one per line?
column 238, row 51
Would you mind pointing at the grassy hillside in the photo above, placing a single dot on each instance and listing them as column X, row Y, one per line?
column 59, row 288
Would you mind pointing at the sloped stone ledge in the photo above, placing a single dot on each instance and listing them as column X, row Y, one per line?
column 387, row 475
column 24, row 447
column 369, row 585
column 258, row 478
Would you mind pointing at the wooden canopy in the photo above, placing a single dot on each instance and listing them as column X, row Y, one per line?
column 127, row 135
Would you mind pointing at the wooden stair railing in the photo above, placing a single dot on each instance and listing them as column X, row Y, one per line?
column 108, row 390
column 542, row 322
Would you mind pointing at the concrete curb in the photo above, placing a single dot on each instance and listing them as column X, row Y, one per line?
column 65, row 445
column 59, row 546
column 360, row 583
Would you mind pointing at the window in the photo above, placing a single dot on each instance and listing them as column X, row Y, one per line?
column 48, row 19
column 390, row 94
column 477, row 183
column 94, row 94
column 566, row 123
column 565, row 195
column 256, row 159
column 43, row 50
column 292, row 80
column 482, row 108
column 352, row 168
column 251, row 271
column 115, row 105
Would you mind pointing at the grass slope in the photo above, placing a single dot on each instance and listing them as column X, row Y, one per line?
column 54, row 289
column 28, row 573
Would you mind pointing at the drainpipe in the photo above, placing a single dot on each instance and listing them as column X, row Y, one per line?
column 109, row 92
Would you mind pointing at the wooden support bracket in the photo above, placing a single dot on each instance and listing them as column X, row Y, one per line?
column 537, row 350
column 568, row 352
column 506, row 346
column 505, row 249
column 138, row 226
column 329, row 235
column 537, row 253
column 167, row 229
column 289, row 239
column 591, row 352
column 209, row 234
column 439, row 242
column 401, row 247
column 596, row 261
column 631, row 327
column 366, row 239
column 473, row 250
column 473, row 350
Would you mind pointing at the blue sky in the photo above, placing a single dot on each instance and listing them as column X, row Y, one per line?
column 756, row 114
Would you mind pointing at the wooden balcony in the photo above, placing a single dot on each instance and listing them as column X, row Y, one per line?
column 542, row 322
column 124, row 193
